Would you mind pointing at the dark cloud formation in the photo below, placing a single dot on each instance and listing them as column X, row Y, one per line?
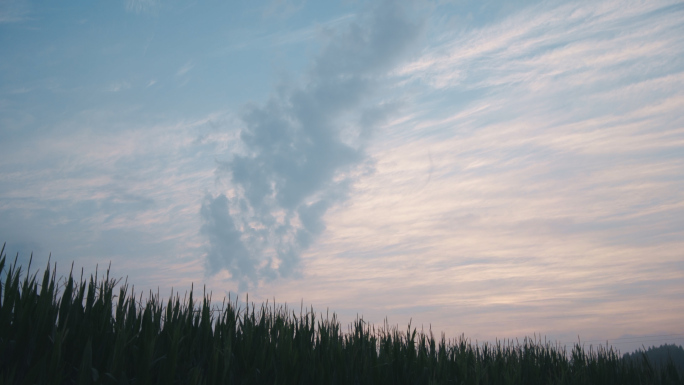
column 299, row 149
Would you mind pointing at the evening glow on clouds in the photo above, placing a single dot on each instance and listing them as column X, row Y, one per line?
column 485, row 168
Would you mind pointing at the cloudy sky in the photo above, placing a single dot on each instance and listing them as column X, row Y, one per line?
column 492, row 168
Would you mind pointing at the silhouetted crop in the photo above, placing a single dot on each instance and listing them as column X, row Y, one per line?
column 71, row 331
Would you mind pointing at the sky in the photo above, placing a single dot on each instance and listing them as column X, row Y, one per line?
column 488, row 168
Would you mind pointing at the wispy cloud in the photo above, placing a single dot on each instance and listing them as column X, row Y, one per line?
column 97, row 189
column 533, row 186
column 185, row 68
column 13, row 11
column 289, row 37
column 296, row 159
column 282, row 8
column 142, row 6
column 574, row 41
column 118, row 86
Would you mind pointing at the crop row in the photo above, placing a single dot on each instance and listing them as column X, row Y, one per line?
column 97, row 330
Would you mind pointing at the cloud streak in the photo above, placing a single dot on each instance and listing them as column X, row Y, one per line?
column 13, row 11
column 554, row 199
column 299, row 151
column 576, row 43
column 141, row 6
column 94, row 191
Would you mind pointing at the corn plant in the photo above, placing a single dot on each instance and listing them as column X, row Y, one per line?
column 98, row 331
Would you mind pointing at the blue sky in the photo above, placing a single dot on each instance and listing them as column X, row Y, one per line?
column 496, row 169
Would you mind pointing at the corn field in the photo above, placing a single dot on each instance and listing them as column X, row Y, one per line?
column 98, row 331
